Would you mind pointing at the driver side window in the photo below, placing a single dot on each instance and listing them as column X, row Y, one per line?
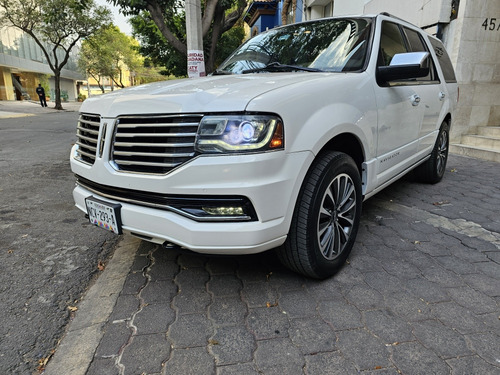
column 391, row 43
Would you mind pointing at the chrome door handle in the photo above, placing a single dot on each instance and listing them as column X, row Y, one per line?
column 415, row 100
column 441, row 95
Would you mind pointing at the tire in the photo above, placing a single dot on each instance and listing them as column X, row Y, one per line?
column 326, row 217
column 432, row 171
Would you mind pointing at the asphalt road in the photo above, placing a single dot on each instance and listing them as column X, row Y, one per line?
column 48, row 251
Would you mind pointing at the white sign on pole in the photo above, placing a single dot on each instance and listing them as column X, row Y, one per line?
column 196, row 64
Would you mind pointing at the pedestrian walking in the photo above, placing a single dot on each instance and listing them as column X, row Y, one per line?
column 41, row 95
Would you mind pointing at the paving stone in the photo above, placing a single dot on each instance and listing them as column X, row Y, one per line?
column 154, row 319
column 331, row 363
column 363, row 349
column 484, row 283
column 366, row 263
column 347, row 277
column 493, row 255
column 238, row 369
column 224, row 285
column 408, row 306
column 141, row 261
column 222, row 265
column 190, row 361
column 159, row 292
column 103, row 366
column 126, row 305
column 389, row 327
column 444, row 341
column 340, row 314
column 192, row 279
column 382, row 371
column 145, row 354
column 253, row 268
column 402, row 269
column 428, row 291
column 413, row 358
column 365, row 298
column 227, row 311
column 286, row 358
column 190, row 330
column 259, row 294
column 473, row 300
column 188, row 261
column 441, row 276
column 322, row 290
column 133, row 283
column 384, row 283
column 284, row 280
column 432, row 247
column 232, row 345
column 162, row 254
column 312, row 335
column 268, row 323
column 458, row 318
column 457, row 265
column 163, row 269
column 115, row 336
column 471, row 365
column 490, row 269
column 190, row 301
column 297, row 304
column 486, row 345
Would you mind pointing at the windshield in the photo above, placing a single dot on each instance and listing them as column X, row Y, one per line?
column 331, row 45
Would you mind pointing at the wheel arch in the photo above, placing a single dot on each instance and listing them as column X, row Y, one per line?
column 349, row 144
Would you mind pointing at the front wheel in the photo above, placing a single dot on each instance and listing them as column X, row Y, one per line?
column 432, row 171
column 326, row 217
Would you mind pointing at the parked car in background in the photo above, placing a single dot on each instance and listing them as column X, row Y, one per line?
column 278, row 148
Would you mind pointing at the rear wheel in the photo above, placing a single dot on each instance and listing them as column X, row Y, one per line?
column 432, row 171
column 326, row 217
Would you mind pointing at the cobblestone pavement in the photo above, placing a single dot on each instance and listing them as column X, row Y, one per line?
column 419, row 295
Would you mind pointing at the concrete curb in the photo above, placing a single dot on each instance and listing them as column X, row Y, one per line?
column 76, row 350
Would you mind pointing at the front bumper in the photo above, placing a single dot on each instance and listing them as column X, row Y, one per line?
column 270, row 181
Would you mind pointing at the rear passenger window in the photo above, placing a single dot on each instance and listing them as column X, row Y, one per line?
column 444, row 61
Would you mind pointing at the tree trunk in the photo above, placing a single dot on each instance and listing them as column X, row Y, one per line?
column 57, row 82
column 216, row 33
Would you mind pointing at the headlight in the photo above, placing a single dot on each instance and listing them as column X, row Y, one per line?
column 243, row 133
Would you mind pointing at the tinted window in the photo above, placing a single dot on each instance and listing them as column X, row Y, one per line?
column 444, row 60
column 417, row 45
column 391, row 43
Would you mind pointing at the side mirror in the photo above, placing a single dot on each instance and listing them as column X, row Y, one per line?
column 404, row 66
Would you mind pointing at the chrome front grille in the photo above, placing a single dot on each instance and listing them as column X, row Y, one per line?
column 87, row 132
column 154, row 144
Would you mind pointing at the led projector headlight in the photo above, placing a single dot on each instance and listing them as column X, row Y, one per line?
column 243, row 133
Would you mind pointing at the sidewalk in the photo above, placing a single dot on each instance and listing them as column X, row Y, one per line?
column 419, row 295
column 23, row 108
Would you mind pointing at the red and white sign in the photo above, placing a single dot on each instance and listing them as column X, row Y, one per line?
column 196, row 64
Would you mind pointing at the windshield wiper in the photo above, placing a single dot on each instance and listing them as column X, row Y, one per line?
column 276, row 66
column 221, row 73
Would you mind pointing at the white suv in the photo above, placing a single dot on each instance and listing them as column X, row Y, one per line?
column 278, row 148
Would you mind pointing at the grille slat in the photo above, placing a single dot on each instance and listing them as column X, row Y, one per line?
column 154, row 144
column 132, row 144
column 125, row 135
column 87, row 133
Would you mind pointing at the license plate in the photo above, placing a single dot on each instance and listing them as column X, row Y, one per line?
column 103, row 214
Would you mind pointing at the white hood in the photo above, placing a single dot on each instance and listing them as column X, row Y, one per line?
column 196, row 95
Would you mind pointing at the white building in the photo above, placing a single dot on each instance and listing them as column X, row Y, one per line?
column 470, row 30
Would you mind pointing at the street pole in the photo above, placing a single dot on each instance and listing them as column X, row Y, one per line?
column 196, row 59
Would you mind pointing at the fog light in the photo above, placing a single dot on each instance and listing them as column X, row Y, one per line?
column 224, row 211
